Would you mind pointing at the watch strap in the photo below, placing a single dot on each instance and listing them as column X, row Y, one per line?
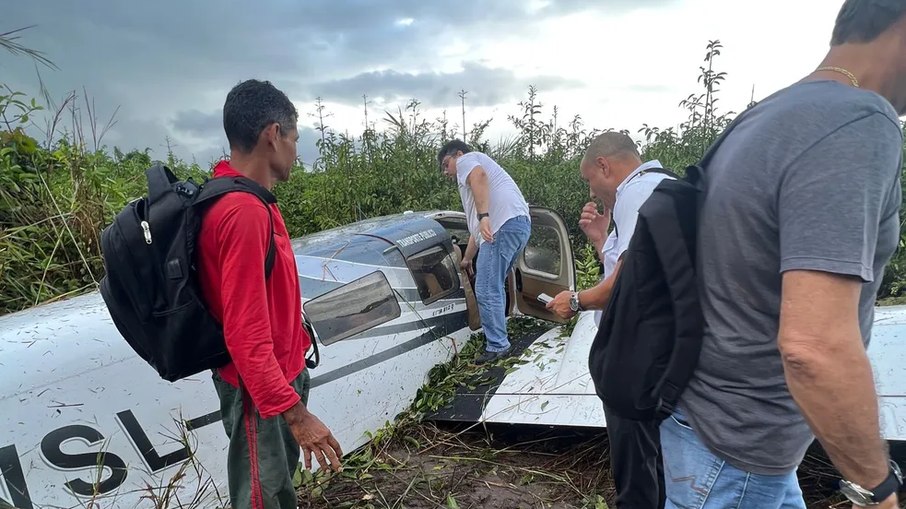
column 483, row 215
column 888, row 487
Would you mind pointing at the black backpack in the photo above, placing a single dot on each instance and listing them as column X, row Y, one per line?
column 151, row 287
column 650, row 334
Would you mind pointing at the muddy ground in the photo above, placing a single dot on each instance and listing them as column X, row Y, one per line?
column 419, row 464
column 426, row 466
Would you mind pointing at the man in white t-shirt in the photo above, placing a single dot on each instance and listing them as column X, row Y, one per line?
column 615, row 174
column 499, row 227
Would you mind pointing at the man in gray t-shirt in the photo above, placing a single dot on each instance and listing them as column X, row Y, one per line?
column 800, row 218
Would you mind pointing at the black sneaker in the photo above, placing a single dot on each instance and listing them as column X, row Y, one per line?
column 493, row 356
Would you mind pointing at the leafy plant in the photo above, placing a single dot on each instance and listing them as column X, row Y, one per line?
column 57, row 195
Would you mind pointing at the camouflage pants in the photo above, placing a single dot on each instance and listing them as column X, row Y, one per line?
column 263, row 454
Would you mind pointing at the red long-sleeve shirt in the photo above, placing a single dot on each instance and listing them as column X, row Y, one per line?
column 262, row 320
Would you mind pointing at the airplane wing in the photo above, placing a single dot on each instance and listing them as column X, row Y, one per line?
column 551, row 386
column 887, row 352
column 548, row 386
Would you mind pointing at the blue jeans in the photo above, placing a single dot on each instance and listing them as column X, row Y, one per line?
column 495, row 259
column 696, row 478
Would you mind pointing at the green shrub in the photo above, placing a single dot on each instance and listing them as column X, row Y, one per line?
column 56, row 198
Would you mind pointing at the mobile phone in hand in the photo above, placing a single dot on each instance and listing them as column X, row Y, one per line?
column 545, row 298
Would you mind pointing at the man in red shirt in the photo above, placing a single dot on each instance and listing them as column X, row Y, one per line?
column 263, row 391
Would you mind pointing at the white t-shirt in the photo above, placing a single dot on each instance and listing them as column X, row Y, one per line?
column 610, row 254
column 504, row 197
column 632, row 193
column 610, row 262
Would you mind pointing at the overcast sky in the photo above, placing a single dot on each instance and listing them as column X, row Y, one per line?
column 167, row 65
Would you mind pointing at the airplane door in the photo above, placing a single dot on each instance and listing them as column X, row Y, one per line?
column 546, row 265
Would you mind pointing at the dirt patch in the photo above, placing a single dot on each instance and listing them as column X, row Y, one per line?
column 417, row 464
column 427, row 467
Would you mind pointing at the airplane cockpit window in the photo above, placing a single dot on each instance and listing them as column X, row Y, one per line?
column 435, row 273
column 542, row 254
column 458, row 231
column 352, row 308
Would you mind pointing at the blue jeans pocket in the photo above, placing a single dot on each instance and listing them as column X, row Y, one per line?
column 696, row 478
column 690, row 470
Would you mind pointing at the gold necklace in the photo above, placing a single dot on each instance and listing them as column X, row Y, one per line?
column 843, row 71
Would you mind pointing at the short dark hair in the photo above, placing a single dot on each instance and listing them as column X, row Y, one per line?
column 452, row 147
column 861, row 21
column 250, row 107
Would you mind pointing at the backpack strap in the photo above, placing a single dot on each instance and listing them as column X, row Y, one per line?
column 219, row 186
column 695, row 173
column 679, row 273
column 664, row 171
column 313, row 361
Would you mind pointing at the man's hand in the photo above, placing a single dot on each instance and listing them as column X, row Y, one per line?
column 560, row 305
column 466, row 265
column 314, row 438
column 485, row 227
column 469, row 256
column 593, row 224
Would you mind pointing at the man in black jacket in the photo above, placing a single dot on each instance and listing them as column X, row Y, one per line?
column 616, row 175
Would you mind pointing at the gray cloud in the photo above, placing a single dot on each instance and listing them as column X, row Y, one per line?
column 612, row 7
column 198, row 123
column 308, row 151
column 209, row 126
column 486, row 86
column 166, row 63
column 206, row 41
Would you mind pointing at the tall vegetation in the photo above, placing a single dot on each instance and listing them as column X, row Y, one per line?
column 57, row 194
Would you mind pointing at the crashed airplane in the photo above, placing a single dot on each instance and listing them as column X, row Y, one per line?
column 84, row 419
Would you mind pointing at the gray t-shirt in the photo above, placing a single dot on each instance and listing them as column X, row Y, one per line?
column 808, row 179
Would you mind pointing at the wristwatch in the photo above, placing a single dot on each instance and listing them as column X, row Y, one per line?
column 483, row 215
column 574, row 304
column 863, row 497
